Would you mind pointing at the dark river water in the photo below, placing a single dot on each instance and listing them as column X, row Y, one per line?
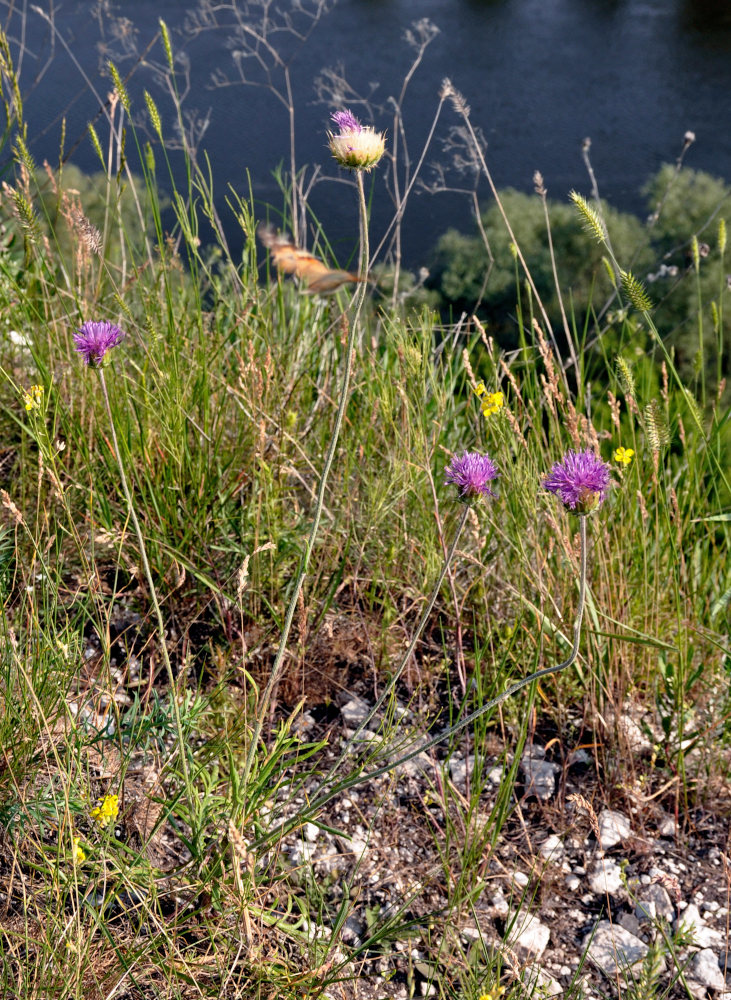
column 539, row 76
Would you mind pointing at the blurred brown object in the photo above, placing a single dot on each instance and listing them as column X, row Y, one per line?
column 316, row 276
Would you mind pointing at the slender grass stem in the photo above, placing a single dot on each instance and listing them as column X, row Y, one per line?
column 182, row 746
column 356, row 308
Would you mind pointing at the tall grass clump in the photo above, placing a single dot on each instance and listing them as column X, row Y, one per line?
column 273, row 565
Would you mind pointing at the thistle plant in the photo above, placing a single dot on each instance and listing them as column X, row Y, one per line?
column 472, row 474
column 93, row 341
column 580, row 481
column 359, row 150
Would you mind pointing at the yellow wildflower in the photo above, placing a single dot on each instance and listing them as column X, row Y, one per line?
column 106, row 811
column 623, row 455
column 77, row 851
column 492, row 402
column 32, row 397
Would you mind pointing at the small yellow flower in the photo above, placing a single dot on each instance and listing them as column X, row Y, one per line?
column 77, row 851
column 623, row 455
column 32, row 397
column 492, row 402
column 106, row 811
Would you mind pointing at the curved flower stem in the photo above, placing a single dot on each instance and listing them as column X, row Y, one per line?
column 182, row 746
column 356, row 308
column 519, row 685
column 321, row 798
column 407, row 655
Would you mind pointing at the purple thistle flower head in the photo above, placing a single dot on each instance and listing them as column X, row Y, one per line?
column 471, row 473
column 355, row 146
column 580, row 481
column 346, row 121
column 94, row 339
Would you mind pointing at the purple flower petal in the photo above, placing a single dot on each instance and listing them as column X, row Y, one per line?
column 580, row 481
column 471, row 473
column 346, row 121
column 94, row 339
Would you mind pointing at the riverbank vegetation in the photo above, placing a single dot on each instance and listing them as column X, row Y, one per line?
column 168, row 763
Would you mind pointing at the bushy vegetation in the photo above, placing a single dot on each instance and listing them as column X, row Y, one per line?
column 478, row 273
column 157, row 521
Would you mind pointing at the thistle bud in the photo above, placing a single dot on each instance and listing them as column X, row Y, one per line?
column 355, row 146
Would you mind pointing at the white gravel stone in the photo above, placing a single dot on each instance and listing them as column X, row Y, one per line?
column 527, row 935
column 636, row 739
column 606, row 877
column 539, row 776
column 668, row 827
column 460, row 768
column 499, row 904
column 301, row 853
column 353, row 845
column 354, row 711
column 552, row 848
column 654, row 901
column 417, row 767
column 539, row 983
column 614, row 827
column 703, row 936
column 704, row 969
column 613, row 949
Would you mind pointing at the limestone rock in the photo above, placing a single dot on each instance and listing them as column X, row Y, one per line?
column 614, row 827
column 654, row 902
column 527, row 935
column 605, row 877
column 613, row 949
column 703, row 935
column 704, row 969
column 552, row 848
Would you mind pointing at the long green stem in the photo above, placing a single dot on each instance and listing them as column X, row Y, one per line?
column 519, row 685
column 150, row 583
column 356, row 307
column 322, row 798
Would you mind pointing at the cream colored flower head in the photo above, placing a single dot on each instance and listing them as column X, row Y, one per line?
column 355, row 146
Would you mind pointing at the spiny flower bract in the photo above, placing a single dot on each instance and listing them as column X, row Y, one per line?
column 94, row 339
column 471, row 473
column 580, row 481
column 355, row 146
